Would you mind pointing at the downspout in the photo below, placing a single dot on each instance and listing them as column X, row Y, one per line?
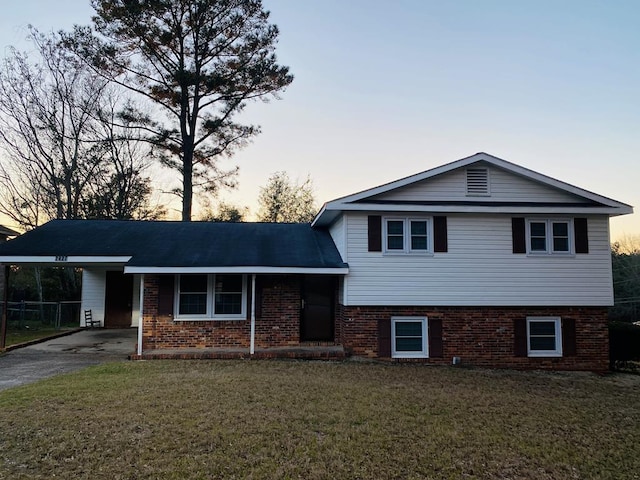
column 140, row 323
column 252, row 347
column 5, row 308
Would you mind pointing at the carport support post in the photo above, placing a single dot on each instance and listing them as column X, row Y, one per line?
column 5, row 308
column 252, row 346
column 140, row 320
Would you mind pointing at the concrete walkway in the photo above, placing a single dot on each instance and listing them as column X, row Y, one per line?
column 65, row 354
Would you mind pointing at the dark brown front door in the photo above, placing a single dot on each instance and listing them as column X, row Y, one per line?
column 118, row 300
column 317, row 321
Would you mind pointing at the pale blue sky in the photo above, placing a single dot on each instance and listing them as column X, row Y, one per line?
column 387, row 89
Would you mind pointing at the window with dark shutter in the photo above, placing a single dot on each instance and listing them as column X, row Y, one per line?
column 518, row 235
column 568, row 337
column 581, row 235
column 375, row 233
column 384, row 337
column 165, row 295
column 435, row 337
column 440, row 243
column 520, row 337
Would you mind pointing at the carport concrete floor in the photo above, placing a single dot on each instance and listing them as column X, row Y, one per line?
column 65, row 354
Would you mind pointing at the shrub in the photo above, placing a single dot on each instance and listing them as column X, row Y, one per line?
column 624, row 343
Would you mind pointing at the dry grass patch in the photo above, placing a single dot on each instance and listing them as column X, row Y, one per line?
column 315, row 420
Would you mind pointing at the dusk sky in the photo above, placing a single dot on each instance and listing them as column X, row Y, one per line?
column 386, row 89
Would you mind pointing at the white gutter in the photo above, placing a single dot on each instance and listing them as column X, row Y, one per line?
column 252, row 270
column 139, row 352
column 252, row 347
column 64, row 260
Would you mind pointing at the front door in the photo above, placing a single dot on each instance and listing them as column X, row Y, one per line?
column 118, row 300
column 318, row 295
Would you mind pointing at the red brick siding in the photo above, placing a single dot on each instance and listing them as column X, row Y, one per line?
column 161, row 331
column 484, row 336
column 279, row 321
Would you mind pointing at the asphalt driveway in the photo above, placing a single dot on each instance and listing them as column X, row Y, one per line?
column 65, row 354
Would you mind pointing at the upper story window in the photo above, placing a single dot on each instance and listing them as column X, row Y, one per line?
column 407, row 235
column 549, row 236
column 201, row 296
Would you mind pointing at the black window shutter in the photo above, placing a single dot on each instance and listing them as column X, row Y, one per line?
column 581, row 235
column 384, row 337
column 568, row 337
column 440, row 234
column 375, row 233
column 518, row 235
column 520, row 337
column 435, row 338
column 165, row 295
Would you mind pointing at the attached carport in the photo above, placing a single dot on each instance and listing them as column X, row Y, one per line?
column 112, row 297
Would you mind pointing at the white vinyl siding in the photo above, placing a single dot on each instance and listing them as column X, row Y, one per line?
column 94, row 288
column 338, row 234
column 94, row 281
column 479, row 269
column 505, row 187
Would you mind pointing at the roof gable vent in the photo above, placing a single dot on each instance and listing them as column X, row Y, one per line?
column 477, row 181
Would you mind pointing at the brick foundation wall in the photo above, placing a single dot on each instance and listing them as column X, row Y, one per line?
column 484, row 336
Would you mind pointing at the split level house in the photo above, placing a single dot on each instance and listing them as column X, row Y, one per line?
column 479, row 261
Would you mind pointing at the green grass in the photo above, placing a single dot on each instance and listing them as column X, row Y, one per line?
column 15, row 336
column 315, row 420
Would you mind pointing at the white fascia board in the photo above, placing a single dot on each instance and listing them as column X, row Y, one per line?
column 282, row 270
column 484, row 209
column 63, row 260
column 319, row 214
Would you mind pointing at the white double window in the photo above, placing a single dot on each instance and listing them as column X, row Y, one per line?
column 550, row 236
column 407, row 235
column 208, row 296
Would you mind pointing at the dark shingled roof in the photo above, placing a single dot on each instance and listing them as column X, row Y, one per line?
column 182, row 244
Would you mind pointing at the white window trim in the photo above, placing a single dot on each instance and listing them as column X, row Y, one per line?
column 210, row 315
column 557, row 352
column 424, row 353
column 406, row 236
column 549, row 236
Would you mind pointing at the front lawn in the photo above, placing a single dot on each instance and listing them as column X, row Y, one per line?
column 14, row 337
column 315, row 420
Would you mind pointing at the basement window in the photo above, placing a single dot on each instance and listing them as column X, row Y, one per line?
column 544, row 337
column 409, row 337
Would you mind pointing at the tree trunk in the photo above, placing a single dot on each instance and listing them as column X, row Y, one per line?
column 187, row 182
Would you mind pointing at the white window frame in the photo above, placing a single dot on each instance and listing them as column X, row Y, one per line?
column 424, row 352
column 406, row 235
column 210, row 314
column 549, row 250
column 557, row 352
